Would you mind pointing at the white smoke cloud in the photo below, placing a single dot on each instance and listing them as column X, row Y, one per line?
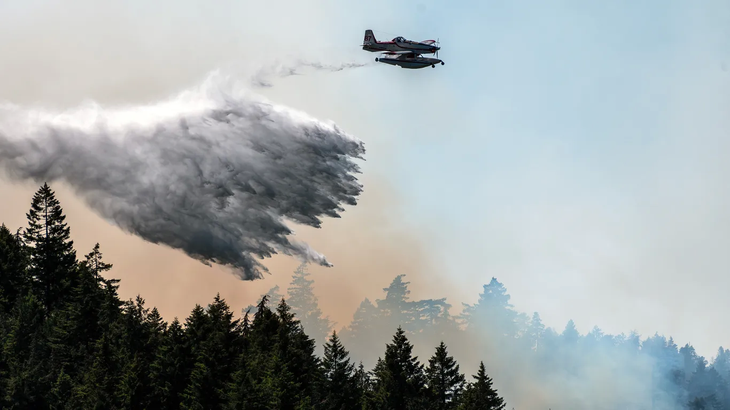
column 215, row 171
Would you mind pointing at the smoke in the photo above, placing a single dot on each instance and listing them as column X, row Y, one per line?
column 281, row 70
column 215, row 171
column 533, row 366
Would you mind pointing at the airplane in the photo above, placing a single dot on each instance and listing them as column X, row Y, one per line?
column 408, row 59
column 370, row 43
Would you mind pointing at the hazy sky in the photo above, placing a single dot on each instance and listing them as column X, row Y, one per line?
column 574, row 150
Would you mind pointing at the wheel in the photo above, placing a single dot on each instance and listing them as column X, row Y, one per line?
column 433, row 66
column 442, row 63
column 376, row 59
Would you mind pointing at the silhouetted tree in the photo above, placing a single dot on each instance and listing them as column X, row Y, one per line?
column 445, row 382
column 305, row 306
column 254, row 384
column 272, row 296
column 170, row 367
column 215, row 343
column 570, row 334
column 399, row 377
column 363, row 333
column 435, row 322
column 299, row 366
column 14, row 280
column 535, row 332
column 705, row 384
column 25, row 354
column 340, row 382
column 52, row 258
column 492, row 313
column 721, row 363
column 365, row 388
column 480, row 394
column 396, row 309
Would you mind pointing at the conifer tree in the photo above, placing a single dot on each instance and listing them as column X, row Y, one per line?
column 199, row 392
column 492, row 313
column 362, row 334
column 435, row 322
column 95, row 311
column 480, row 394
column 94, row 262
column 396, row 309
column 272, row 296
column 706, row 383
column 254, row 382
column 690, row 360
column 195, row 396
column 445, row 382
column 169, row 370
column 570, row 335
column 24, row 353
column 99, row 387
column 721, row 363
column 219, row 348
column 53, row 257
column 14, row 280
column 139, row 342
column 300, row 372
column 76, row 325
column 381, row 383
column 365, row 388
column 340, row 384
column 400, row 376
column 72, row 329
column 304, row 304
column 265, row 327
column 535, row 332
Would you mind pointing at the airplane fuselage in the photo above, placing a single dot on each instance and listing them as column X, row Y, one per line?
column 410, row 62
column 370, row 43
column 400, row 46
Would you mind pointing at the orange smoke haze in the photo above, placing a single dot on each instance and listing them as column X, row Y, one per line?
column 367, row 246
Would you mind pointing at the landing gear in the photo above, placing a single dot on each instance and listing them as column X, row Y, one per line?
column 433, row 66
column 376, row 59
column 442, row 63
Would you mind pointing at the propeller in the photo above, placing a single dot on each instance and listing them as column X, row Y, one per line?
column 438, row 44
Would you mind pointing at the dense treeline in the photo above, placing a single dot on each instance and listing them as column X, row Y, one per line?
column 70, row 342
column 565, row 369
column 537, row 367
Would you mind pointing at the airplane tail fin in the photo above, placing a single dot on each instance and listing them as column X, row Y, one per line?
column 369, row 37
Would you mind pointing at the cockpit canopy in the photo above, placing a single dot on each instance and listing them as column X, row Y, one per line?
column 399, row 39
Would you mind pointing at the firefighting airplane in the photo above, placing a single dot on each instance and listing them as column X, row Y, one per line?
column 402, row 52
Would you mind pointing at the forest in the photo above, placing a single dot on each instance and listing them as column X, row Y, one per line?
column 70, row 342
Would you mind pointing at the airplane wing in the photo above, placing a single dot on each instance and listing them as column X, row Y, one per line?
column 400, row 52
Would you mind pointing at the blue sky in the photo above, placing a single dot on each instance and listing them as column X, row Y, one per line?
column 568, row 148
